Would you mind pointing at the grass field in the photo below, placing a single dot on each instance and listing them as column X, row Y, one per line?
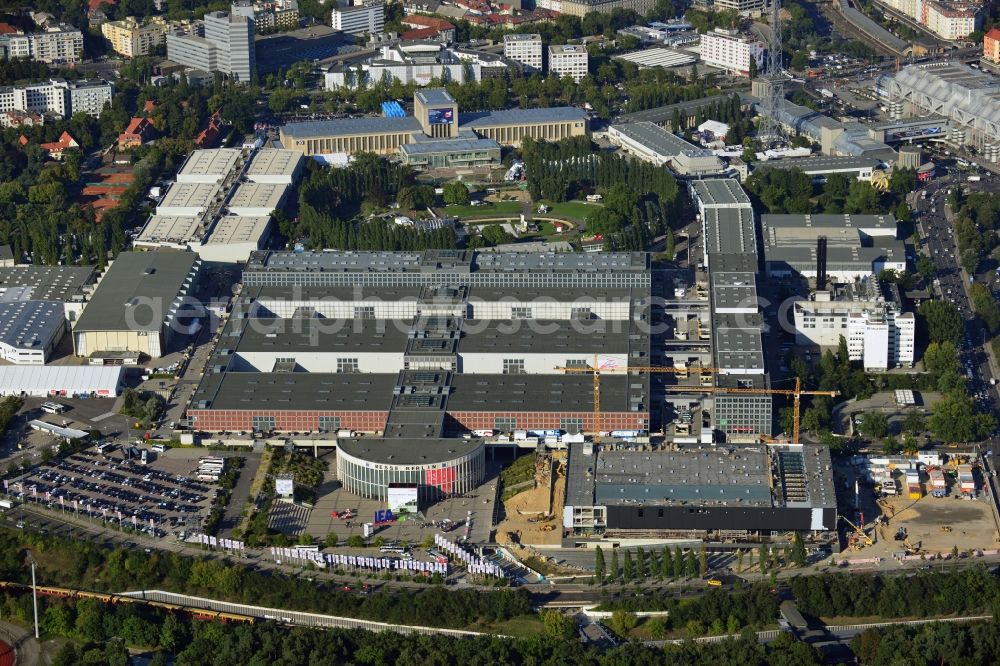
column 523, row 626
column 489, row 210
column 571, row 210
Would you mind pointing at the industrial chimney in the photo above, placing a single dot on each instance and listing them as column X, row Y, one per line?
column 821, row 263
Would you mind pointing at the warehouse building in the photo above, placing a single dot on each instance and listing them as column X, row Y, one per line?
column 208, row 166
column 436, row 120
column 652, row 143
column 30, row 330
column 476, row 321
column 820, row 166
column 136, row 306
column 712, row 494
column 856, row 246
column 220, row 207
column 70, row 381
column 731, row 257
column 414, row 347
column 69, row 285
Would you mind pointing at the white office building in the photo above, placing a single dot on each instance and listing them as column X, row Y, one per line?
column 221, row 43
column 57, row 96
column 868, row 315
column 568, row 60
column 362, row 17
column 728, row 50
column 525, row 49
column 30, row 330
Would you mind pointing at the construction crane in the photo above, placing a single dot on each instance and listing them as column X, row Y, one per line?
column 796, row 393
column 597, row 369
column 858, row 536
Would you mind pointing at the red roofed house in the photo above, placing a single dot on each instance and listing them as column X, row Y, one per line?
column 148, row 106
column 56, row 148
column 427, row 27
column 138, row 132
column 8, row 29
column 208, row 136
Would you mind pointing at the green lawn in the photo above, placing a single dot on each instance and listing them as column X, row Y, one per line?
column 576, row 211
column 512, row 208
column 522, row 626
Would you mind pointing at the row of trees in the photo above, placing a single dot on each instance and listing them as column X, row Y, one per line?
column 792, row 191
column 332, row 200
column 96, row 634
column 81, row 564
column 639, row 198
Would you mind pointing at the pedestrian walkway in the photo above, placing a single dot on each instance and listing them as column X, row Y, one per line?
column 288, row 518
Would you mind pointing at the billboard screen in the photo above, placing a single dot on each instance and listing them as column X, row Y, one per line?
column 440, row 116
column 402, row 498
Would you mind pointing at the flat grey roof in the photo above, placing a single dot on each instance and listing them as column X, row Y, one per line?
column 546, row 393
column 823, row 163
column 457, row 145
column 349, row 126
column 179, row 229
column 811, row 226
column 156, row 276
column 238, row 229
column 434, row 97
column 30, row 324
column 311, row 334
column 521, row 116
column 838, row 257
column 460, row 261
column 538, row 336
column 214, row 162
column 409, row 451
column 188, row 195
column 333, row 293
column 738, row 343
column 720, row 192
column 258, row 195
column 45, row 283
column 658, row 139
column 577, row 295
column 700, row 476
column 730, row 231
column 732, row 289
column 294, row 391
column 274, row 162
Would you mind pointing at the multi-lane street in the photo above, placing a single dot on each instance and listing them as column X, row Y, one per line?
column 939, row 244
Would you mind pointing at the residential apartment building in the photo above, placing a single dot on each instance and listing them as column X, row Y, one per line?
column 752, row 8
column 730, row 51
column 991, row 46
column 221, row 43
column 366, row 16
column 131, row 38
column 267, row 16
column 568, row 60
column 525, row 49
column 57, row 96
column 868, row 315
column 583, row 7
column 59, row 43
column 947, row 20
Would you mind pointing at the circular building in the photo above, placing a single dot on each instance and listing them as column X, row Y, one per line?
column 910, row 157
column 438, row 467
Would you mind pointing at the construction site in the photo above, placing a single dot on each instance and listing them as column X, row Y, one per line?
column 927, row 507
column 531, row 517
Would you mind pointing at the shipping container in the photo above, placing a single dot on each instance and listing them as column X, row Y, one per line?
column 937, row 478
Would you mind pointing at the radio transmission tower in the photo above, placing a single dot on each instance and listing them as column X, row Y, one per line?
column 772, row 84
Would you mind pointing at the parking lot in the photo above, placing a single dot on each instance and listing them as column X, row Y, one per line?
column 157, row 498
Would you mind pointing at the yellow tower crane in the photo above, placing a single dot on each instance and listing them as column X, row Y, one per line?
column 597, row 369
column 796, row 393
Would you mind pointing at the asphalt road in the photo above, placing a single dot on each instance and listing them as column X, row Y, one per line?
column 939, row 243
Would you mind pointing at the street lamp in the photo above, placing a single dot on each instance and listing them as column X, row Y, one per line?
column 34, row 592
